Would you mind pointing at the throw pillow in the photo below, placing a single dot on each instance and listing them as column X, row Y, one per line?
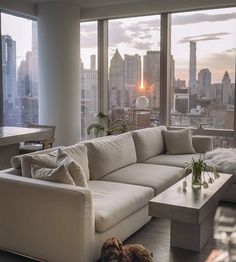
column 74, row 168
column 178, row 142
column 59, row 174
column 78, row 153
column 45, row 160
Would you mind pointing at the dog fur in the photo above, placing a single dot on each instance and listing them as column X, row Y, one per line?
column 113, row 251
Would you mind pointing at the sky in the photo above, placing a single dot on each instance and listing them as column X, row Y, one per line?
column 213, row 30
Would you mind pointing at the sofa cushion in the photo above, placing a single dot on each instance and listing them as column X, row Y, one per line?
column 149, row 142
column 172, row 160
column 78, row 153
column 45, row 160
column 157, row 177
column 74, row 168
column 107, row 155
column 16, row 160
column 58, row 175
column 178, row 141
column 113, row 202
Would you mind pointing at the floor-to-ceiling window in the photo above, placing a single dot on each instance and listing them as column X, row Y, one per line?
column 19, row 70
column 204, row 50
column 134, row 70
column 88, row 76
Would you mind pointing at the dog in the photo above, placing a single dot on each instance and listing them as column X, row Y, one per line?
column 113, row 251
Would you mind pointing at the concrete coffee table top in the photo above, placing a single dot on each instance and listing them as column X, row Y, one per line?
column 191, row 206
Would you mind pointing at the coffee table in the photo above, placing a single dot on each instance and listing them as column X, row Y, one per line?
column 191, row 212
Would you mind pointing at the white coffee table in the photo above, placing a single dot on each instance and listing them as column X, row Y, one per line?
column 191, row 213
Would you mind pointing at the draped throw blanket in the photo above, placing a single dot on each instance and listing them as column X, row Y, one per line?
column 224, row 159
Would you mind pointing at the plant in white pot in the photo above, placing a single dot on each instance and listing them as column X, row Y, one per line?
column 200, row 172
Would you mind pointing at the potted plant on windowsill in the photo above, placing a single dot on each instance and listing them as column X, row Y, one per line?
column 200, row 171
column 107, row 127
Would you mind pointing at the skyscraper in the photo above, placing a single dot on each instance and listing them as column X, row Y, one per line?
column 227, row 91
column 116, row 81
column 9, row 78
column 151, row 68
column 93, row 62
column 132, row 78
column 204, row 82
column 192, row 68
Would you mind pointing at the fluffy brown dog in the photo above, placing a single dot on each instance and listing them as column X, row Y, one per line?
column 113, row 251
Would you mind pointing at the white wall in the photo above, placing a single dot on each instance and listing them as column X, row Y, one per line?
column 59, row 61
column 150, row 7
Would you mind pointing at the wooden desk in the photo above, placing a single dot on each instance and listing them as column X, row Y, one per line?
column 10, row 137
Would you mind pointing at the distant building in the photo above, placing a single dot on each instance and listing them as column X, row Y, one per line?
column 151, row 68
column 8, row 78
column 181, row 103
column 89, row 97
column 227, row 91
column 192, row 68
column 204, row 82
column 132, row 78
column 116, row 81
column 93, row 62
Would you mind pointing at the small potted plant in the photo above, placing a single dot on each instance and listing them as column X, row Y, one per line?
column 107, row 127
column 200, row 170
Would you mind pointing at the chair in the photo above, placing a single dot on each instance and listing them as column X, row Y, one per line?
column 33, row 146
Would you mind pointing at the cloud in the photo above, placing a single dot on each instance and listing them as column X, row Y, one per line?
column 88, row 33
column 118, row 34
column 219, row 62
column 143, row 45
column 201, row 17
column 203, row 37
column 232, row 50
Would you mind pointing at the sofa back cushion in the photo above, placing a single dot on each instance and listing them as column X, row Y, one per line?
column 149, row 142
column 107, row 155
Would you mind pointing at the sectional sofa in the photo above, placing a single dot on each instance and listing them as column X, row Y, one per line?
column 58, row 222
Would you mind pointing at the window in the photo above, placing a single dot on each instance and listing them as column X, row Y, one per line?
column 203, row 47
column 19, row 70
column 88, row 76
column 134, row 70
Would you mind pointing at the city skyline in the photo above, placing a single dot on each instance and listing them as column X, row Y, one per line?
column 213, row 30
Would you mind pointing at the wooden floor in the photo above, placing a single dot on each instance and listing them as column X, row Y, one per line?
column 156, row 237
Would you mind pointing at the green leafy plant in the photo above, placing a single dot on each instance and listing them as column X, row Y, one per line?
column 200, row 171
column 107, row 127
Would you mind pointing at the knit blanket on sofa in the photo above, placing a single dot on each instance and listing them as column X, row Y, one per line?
column 224, row 159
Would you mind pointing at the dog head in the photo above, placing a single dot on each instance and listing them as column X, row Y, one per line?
column 112, row 250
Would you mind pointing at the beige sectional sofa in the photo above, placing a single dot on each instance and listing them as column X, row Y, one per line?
column 58, row 222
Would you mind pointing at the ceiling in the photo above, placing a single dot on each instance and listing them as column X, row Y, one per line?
column 89, row 3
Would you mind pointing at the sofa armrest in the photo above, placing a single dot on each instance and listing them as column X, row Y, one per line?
column 46, row 220
column 202, row 144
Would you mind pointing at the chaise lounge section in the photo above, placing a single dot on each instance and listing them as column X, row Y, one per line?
column 58, row 222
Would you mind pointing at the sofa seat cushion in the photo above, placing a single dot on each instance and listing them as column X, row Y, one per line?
column 172, row 160
column 157, row 177
column 114, row 202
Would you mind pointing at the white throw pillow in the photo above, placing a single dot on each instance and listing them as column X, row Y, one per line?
column 178, row 142
column 74, row 168
column 78, row 153
column 59, row 174
column 45, row 160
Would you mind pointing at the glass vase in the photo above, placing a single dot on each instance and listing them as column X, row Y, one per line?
column 196, row 177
